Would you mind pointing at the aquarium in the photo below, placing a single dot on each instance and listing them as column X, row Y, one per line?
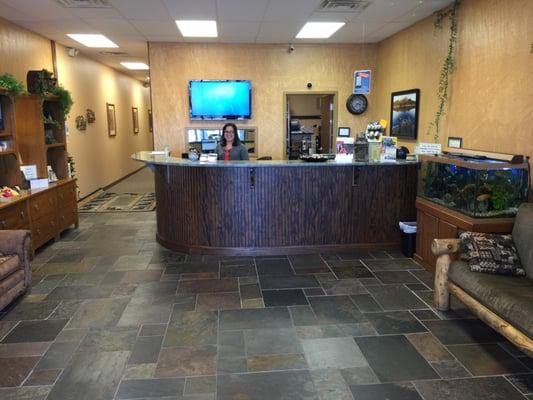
column 480, row 188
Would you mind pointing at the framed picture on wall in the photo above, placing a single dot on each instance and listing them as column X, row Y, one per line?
column 404, row 113
column 150, row 121
column 135, row 117
column 343, row 132
column 111, row 120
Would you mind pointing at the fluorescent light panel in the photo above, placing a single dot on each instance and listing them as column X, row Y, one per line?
column 135, row 65
column 92, row 40
column 198, row 28
column 319, row 30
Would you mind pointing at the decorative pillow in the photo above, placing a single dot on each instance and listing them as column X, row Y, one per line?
column 491, row 253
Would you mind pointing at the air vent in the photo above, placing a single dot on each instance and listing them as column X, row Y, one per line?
column 84, row 3
column 114, row 53
column 345, row 6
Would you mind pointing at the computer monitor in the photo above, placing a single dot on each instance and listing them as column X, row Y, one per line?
column 209, row 145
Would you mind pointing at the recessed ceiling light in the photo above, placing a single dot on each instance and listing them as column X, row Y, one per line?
column 198, row 28
column 135, row 65
column 92, row 40
column 319, row 30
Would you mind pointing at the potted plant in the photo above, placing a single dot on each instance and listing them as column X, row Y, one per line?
column 11, row 84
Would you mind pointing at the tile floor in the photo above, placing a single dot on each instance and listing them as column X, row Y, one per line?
column 112, row 315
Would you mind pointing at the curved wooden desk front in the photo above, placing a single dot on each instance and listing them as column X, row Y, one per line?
column 280, row 207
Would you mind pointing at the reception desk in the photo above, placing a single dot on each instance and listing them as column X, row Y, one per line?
column 280, row 207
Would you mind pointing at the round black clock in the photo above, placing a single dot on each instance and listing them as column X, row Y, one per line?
column 357, row 104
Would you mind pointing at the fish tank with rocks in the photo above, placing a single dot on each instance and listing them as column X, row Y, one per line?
column 479, row 188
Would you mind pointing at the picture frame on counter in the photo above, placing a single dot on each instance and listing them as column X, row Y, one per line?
column 455, row 142
column 404, row 114
column 343, row 131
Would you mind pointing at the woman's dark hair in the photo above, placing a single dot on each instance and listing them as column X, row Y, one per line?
column 236, row 140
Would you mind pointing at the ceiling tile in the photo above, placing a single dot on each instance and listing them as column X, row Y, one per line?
column 387, row 30
column 290, row 10
column 141, row 9
column 332, row 17
column 113, row 27
column 164, row 38
column 242, row 10
column 197, row 9
column 243, row 31
column 277, row 32
column 150, row 27
column 386, row 10
column 355, row 32
column 35, row 10
column 422, row 11
column 11, row 13
column 95, row 13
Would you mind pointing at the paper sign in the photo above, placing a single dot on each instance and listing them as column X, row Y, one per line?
column 361, row 81
column 38, row 183
column 428, row 148
column 29, row 171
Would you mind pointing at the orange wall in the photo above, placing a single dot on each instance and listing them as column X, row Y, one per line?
column 491, row 91
column 273, row 72
column 100, row 160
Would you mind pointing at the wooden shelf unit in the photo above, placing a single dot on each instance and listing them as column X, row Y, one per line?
column 47, row 211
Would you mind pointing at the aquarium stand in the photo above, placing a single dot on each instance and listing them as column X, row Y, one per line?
column 438, row 222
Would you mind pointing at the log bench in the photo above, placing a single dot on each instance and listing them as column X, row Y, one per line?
column 503, row 302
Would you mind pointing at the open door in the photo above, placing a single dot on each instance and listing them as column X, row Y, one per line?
column 326, row 116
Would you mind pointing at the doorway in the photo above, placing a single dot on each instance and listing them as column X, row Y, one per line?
column 309, row 123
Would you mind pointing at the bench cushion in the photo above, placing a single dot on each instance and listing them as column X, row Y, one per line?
column 8, row 265
column 523, row 237
column 510, row 297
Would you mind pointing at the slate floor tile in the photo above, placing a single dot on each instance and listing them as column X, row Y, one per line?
column 394, row 359
column 43, row 377
column 35, row 331
column 287, row 282
column 192, row 328
column 366, row 303
column 274, row 317
column 463, row 331
column 494, row 388
column 100, row 313
column 524, row 382
column 153, row 330
column 200, row 384
column 186, row 361
column 388, row 391
column 271, row 341
column 109, row 339
column 335, row 310
column 141, row 314
column 57, row 356
column 392, row 264
column 218, row 301
column 344, row 286
column 231, row 365
column 303, row 315
column 275, row 362
column 395, row 297
column 231, row 344
column 145, row 388
column 25, row 393
column 359, row 375
column 388, row 277
column 294, row 385
column 333, row 353
column 487, row 359
column 394, row 322
column 30, row 311
column 237, row 271
column 451, row 369
column 429, row 347
column 208, row 286
column 351, row 271
column 146, row 350
column 274, row 267
column 90, row 376
column 330, row 384
column 288, row 297
column 19, row 368
column 25, row 349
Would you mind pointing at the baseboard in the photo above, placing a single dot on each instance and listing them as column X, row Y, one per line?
column 104, row 188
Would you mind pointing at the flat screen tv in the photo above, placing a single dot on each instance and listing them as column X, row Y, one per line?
column 220, row 99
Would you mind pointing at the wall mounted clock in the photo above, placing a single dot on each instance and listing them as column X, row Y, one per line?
column 357, row 104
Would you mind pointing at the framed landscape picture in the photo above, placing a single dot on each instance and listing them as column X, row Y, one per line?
column 111, row 120
column 135, row 117
column 404, row 114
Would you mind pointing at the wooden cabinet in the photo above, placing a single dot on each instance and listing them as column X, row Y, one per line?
column 46, row 212
column 438, row 222
column 32, row 133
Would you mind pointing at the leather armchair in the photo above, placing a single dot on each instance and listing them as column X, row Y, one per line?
column 15, row 272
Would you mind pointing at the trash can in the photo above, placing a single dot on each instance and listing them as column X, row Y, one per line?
column 408, row 241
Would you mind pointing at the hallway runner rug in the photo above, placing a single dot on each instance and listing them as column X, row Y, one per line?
column 119, row 202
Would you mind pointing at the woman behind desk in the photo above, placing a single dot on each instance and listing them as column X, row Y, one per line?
column 230, row 146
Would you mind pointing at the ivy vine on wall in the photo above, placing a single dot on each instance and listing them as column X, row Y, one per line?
column 447, row 66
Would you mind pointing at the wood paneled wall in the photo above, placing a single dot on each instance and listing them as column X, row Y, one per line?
column 491, row 90
column 272, row 70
